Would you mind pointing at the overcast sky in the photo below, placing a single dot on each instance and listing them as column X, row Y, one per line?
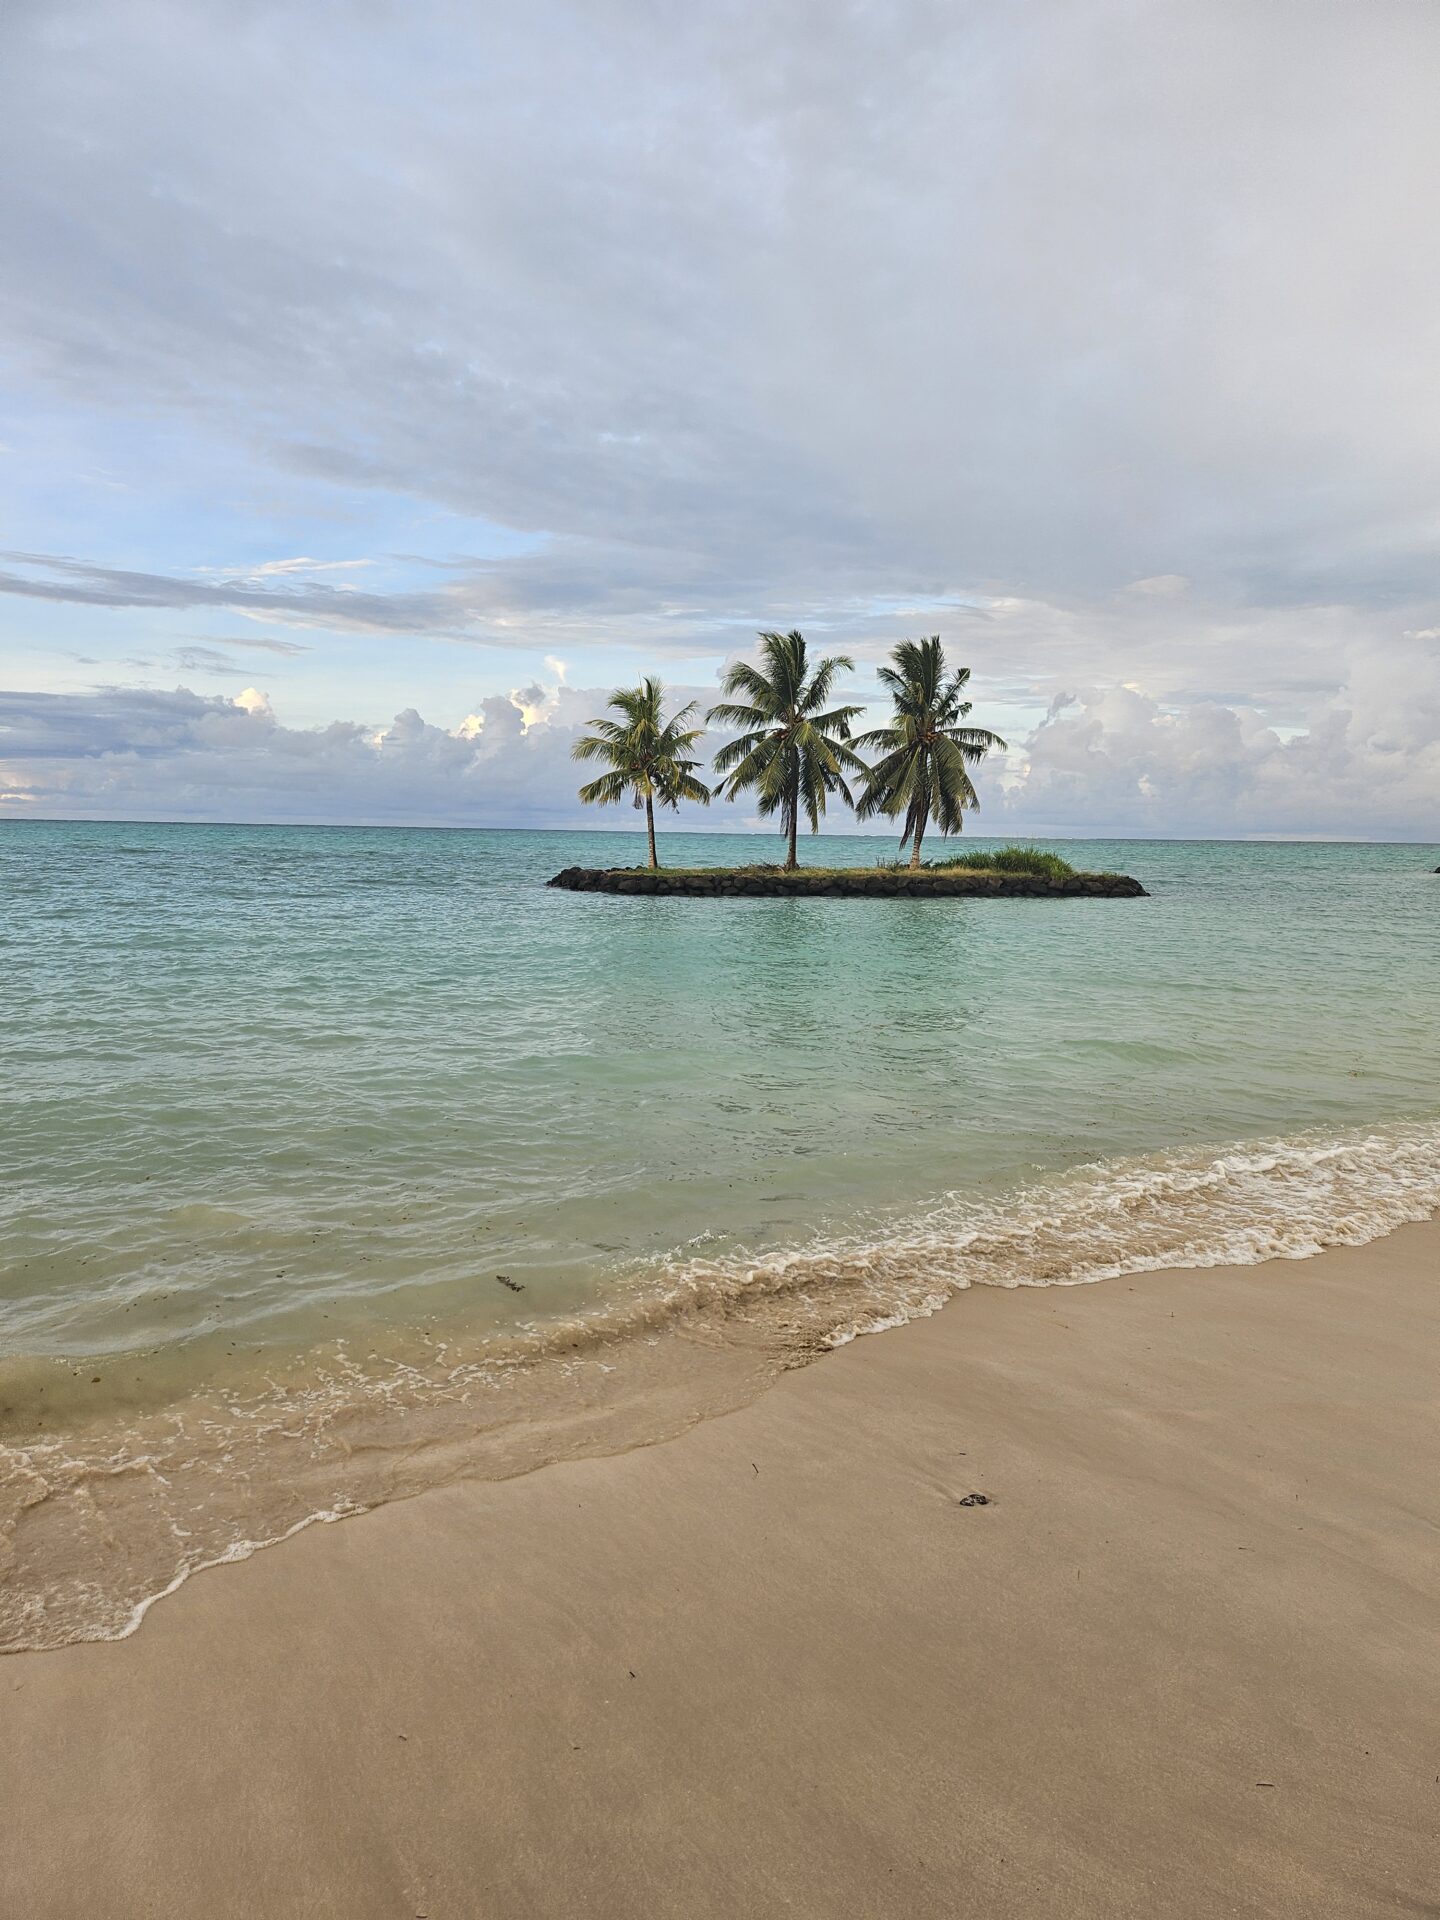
column 381, row 383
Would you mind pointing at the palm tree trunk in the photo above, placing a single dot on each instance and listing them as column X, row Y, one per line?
column 650, row 831
column 792, row 858
column 918, row 822
column 915, row 843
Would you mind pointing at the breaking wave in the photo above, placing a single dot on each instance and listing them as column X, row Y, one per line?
column 101, row 1518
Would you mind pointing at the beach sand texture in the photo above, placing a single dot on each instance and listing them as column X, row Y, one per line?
column 1185, row 1662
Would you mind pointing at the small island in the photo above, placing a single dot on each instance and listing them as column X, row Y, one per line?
column 1047, row 877
column 794, row 751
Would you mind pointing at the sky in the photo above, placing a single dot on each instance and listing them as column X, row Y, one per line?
column 382, row 383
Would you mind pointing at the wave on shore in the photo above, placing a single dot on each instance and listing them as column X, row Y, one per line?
column 99, row 1520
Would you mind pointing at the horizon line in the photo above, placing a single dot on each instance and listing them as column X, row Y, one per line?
column 754, row 833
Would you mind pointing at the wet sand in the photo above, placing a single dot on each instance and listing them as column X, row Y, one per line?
column 1185, row 1661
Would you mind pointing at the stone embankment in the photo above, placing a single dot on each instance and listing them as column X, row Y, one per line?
column 859, row 883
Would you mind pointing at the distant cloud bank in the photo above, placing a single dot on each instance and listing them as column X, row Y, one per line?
column 1099, row 763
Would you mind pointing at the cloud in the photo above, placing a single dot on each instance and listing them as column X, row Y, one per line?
column 264, row 643
column 1061, row 294
column 1094, row 335
column 1115, row 761
column 182, row 755
column 1101, row 761
column 1161, row 586
column 573, row 593
column 197, row 658
column 143, row 754
column 58, row 578
column 206, row 660
column 308, row 566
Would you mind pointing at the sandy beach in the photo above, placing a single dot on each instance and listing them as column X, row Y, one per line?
column 1183, row 1659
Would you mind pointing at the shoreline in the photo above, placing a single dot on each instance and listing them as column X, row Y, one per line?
column 1182, row 1655
column 856, row 883
column 101, row 1519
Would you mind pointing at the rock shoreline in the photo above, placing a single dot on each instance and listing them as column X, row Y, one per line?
column 726, row 882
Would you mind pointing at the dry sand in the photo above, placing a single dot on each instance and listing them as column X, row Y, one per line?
column 1185, row 1662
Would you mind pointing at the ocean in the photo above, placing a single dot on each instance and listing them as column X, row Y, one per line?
column 338, row 1163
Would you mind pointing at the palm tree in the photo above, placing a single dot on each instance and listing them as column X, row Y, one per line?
column 645, row 753
column 793, row 750
column 927, row 752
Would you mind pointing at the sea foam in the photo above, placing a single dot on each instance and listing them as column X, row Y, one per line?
column 99, row 1523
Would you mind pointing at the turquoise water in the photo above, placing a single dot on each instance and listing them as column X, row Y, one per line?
column 263, row 1090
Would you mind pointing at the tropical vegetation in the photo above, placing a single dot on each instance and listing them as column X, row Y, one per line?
column 647, row 756
column 794, row 749
column 1033, row 860
column 927, row 750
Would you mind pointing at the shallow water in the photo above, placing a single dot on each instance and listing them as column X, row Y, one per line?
column 278, row 1106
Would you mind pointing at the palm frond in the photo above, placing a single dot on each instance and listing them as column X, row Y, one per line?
column 793, row 750
column 608, row 791
column 926, row 751
column 975, row 742
column 818, row 691
column 730, row 714
column 648, row 756
column 737, row 750
column 887, row 737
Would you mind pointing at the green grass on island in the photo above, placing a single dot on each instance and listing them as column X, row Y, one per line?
column 1046, row 866
column 1031, row 860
